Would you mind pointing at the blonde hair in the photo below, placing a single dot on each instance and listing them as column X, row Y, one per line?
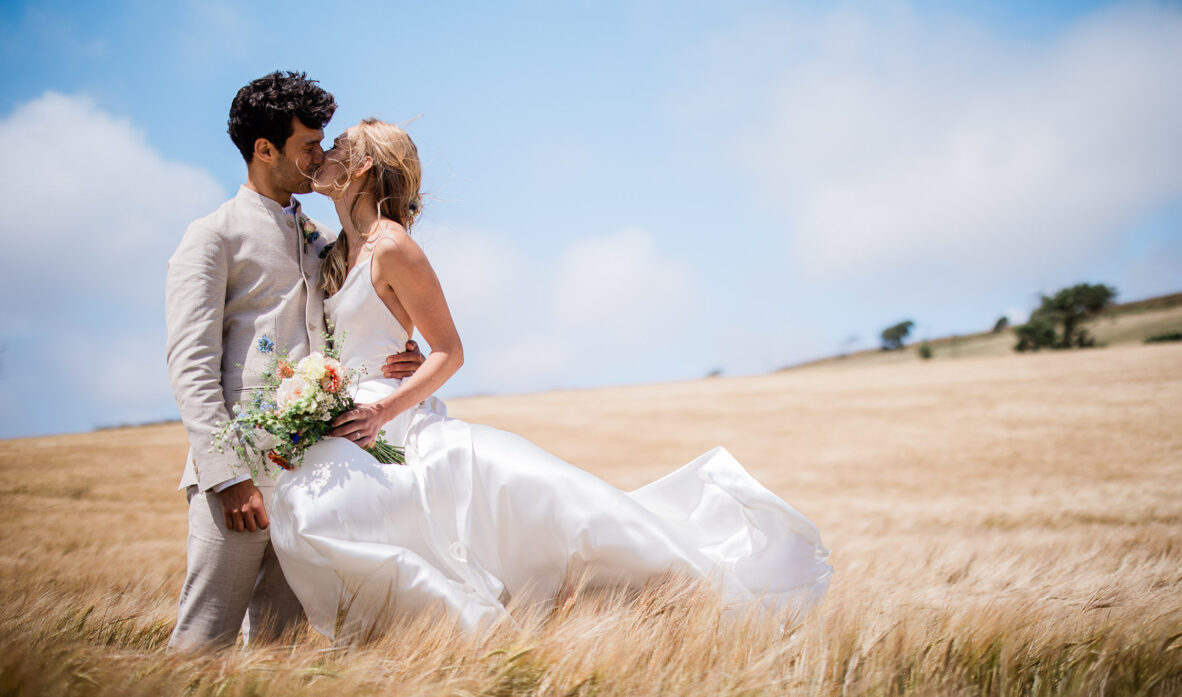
column 392, row 181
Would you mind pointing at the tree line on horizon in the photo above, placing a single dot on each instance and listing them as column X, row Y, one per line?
column 1058, row 323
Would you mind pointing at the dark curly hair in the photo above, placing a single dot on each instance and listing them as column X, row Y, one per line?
column 263, row 109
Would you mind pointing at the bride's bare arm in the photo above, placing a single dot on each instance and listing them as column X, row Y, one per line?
column 400, row 264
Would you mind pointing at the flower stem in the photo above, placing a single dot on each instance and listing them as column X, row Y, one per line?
column 387, row 454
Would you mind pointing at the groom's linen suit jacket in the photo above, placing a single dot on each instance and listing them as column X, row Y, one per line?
column 245, row 271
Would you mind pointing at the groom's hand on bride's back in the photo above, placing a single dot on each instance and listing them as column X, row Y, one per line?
column 242, row 504
column 403, row 365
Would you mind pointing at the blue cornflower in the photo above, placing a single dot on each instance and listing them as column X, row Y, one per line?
column 313, row 236
column 295, row 438
column 268, row 406
column 265, row 344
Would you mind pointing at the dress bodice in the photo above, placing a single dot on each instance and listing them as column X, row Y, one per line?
column 362, row 326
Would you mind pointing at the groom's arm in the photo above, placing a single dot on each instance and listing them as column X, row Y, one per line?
column 195, row 293
column 403, row 365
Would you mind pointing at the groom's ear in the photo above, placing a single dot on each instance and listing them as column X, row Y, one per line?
column 265, row 150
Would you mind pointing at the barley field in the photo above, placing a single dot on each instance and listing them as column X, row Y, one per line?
column 999, row 525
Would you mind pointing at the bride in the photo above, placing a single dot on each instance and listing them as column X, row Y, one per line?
column 479, row 516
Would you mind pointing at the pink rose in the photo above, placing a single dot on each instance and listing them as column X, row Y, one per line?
column 290, row 390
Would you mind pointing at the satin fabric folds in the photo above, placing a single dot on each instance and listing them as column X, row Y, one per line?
column 478, row 516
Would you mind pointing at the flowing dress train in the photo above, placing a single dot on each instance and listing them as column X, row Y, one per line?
column 478, row 516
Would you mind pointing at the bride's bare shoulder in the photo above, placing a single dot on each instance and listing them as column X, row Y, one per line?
column 395, row 247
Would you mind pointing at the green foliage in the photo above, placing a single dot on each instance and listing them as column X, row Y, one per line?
column 1172, row 336
column 925, row 350
column 1035, row 334
column 1057, row 322
column 894, row 336
column 1002, row 324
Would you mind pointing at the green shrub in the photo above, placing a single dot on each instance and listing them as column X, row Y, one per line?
column 1036, row 334
column 1172, row 336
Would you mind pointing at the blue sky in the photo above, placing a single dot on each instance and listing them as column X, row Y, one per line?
column 620, row 192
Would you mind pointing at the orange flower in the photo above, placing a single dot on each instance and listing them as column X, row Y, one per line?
column 331, row 382
column 279, row 460
column 285, row 369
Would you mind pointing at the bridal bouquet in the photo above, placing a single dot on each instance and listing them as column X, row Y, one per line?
column 296, row 404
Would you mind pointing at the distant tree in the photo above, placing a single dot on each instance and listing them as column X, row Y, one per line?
column 925, row 350
column 1035, row 334
column 1001, row 324
column 1057, row 323
column 894, row 336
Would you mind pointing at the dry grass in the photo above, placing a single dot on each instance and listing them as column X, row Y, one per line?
column 999, row 525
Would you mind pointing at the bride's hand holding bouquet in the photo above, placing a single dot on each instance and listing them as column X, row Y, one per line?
column 297, row 405
column 362, row 424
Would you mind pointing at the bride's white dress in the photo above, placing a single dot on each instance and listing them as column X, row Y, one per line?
column 478, row 516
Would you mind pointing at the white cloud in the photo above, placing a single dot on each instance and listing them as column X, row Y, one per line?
column 127, row 369
column 92, row 214
column 616, row 291
column 610, row 309
column 91, row 206
column 483, row 276
column 903, row 147
column 1017, row 315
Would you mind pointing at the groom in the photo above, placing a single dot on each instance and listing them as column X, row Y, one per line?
column 249, row 269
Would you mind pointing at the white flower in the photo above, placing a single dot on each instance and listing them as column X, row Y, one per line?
column 312, row 367
column 291, row 390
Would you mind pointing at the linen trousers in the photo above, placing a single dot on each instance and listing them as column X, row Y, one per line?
column 233, row 582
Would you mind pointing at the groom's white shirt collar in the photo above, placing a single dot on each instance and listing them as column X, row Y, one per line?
column 251, row 196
